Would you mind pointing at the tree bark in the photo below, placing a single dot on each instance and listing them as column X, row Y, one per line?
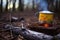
column 6, row 8
column 14, row 5
column 20, row 5
column 1, row 5
column 33, row 4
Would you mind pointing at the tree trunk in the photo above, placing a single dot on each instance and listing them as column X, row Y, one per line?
column 33, row 4
column 1, row 5
column 6, row 8
column 20, row 5
column 14, row 5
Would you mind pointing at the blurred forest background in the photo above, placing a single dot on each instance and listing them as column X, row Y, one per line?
column 25, row 8
column 17, row 7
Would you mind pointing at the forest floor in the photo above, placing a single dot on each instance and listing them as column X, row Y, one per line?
column 29, row 18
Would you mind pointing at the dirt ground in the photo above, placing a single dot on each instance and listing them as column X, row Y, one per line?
column 29, row 17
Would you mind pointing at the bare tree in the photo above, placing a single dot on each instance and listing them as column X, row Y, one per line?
column 20, row 5
column 33, row 4
column 14, row 1
column 6, row 8
column 1, row 6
